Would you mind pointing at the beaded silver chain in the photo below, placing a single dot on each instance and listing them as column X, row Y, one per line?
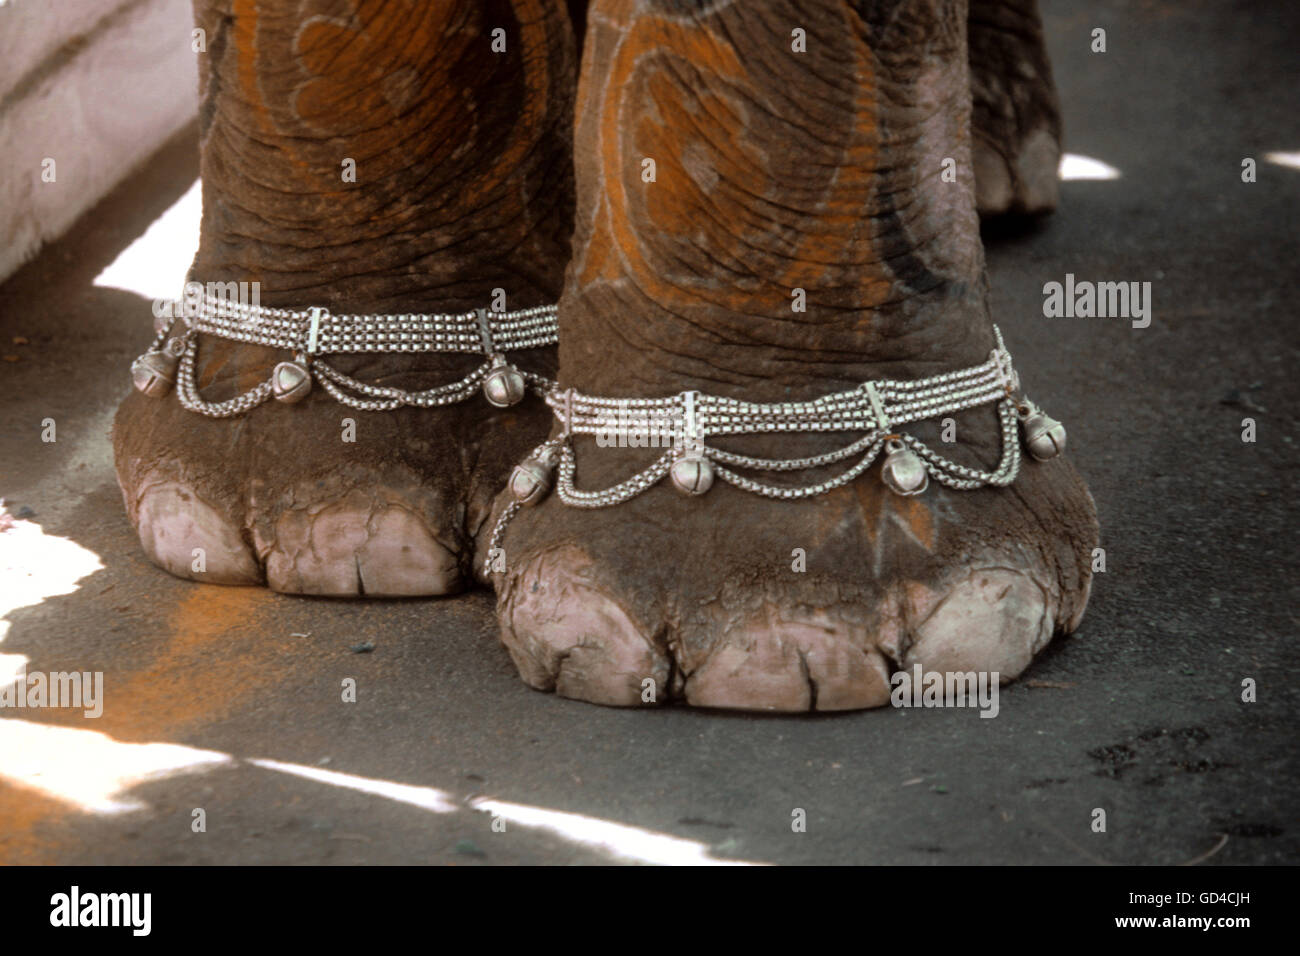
column 877, row 408
column 311, row 333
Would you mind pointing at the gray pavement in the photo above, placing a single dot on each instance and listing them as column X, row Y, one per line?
column 1139, row 714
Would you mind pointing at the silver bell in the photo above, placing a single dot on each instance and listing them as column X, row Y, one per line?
column 531, row 479
column 903, row 470
column 1044, row 435
column 291, row 381
column 692, row 474
column 154, row 372
column 504, row 385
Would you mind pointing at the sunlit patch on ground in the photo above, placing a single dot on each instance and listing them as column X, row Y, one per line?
column 155, row 265
column 1284, row 159
column 618, row 840
column 89, row 770
column 1073, row 166
column 34, row 566
column 84, row 769
column 426, row 798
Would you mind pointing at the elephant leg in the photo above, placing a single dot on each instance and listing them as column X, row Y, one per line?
column 723, row 178
column 1016, row 116
column 370, row 157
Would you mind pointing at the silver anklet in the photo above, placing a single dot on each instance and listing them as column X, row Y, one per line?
column 170, row 360
column 878, row 408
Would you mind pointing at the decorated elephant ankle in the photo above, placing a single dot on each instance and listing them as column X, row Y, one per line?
column 790, row 453
column 383, row 241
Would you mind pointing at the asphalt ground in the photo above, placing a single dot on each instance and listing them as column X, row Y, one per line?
column 228, row 700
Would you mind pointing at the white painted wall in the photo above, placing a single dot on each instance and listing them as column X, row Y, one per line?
column 95, row 85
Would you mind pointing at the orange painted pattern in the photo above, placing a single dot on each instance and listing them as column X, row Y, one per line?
column 673, row 89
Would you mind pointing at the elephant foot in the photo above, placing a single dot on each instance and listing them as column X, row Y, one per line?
column 318, row 497
column 766, row 264
column 1017, row 177
column 1015, row 118
column 733, row 600
column 390, row 161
